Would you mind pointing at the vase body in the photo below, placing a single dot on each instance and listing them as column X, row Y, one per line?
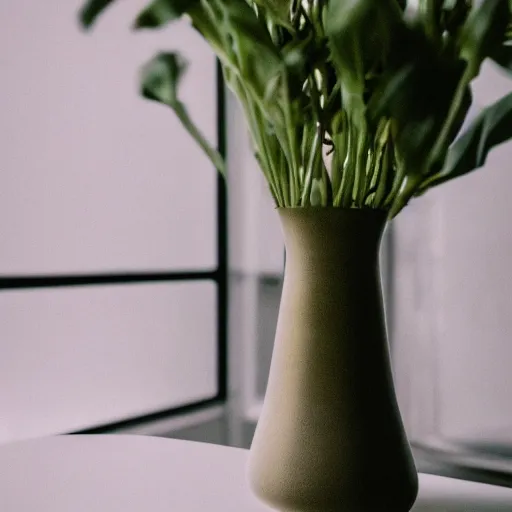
column 330, row 437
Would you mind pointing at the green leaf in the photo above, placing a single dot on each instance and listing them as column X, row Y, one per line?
column 360, row 34
column 159, row 82
column 161, row 76
column 484, row 31
column 91, row 10
column 368, row 26
column 160, row 12
column 417, row 104
column 240, row 18
column 492, row 127
column 298, row 56
column 429, row 12
column 248, row 41
column 279, row 11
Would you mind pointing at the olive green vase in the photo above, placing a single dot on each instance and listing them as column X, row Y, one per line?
column 330, row 437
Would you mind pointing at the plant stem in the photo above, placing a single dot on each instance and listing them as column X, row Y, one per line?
column 339, row 131
column 338, row 159
column 411, row 183
column 270, row 148
column 181, row 113
column 304, row 152
column 309, row 174
column 257, row 129
column 377, row 158
column 285, row 183
column 428, row 9
column 442, row 142
column 372, row 176
column 408, row 186
column 347, row 182
column 292, row 141
column 397, row 183
column 385, row 168
column 206, row 23
column 360, row 172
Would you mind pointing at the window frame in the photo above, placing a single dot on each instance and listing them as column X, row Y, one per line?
column 217, row 275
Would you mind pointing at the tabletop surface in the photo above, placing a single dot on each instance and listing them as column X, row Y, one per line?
column 120, row 473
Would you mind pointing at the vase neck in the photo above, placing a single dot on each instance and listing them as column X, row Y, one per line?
column 323, row 236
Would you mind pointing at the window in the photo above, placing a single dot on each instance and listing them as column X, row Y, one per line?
column 113, row 261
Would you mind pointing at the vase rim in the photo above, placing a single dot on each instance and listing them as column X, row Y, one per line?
column 330, row 208
column 332, row 212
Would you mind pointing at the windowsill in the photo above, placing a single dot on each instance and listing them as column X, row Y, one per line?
column 461, row 465
column 252, row 413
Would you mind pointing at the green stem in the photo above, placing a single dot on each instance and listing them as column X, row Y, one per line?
column 428, row 10
column 432, row 181
column 385, row 168
column 285, row 183
column 305, row 148
column 338, row 159
column 347, row 182
column 397, row 183
column 292, row 141
column 376, row 161
column 407, row 188
column 340, row 155
column 215, row 157
column 281, row 136
column 372, row 176
column 442, row 142
column 257, row 129
column 272, row 151
column 361, row 155
column 310, row 169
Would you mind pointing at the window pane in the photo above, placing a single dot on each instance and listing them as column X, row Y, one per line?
column 77, row 357
column 94, row 178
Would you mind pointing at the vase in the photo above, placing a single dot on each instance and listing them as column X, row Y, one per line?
column 330, row 437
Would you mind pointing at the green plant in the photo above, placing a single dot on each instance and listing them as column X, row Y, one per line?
column 350, row 103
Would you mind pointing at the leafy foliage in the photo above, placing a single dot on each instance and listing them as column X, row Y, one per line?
column 491, row 128
column 92, row 10
column 160, row 12
column 159, row 82
column 379, row 87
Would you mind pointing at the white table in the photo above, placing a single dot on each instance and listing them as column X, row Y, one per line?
column 111, row 473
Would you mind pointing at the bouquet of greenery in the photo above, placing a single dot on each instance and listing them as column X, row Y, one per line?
column 350, row 103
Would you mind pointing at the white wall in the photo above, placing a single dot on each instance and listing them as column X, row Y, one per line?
column 454, row 311
column 96, row 180
column 475, row 331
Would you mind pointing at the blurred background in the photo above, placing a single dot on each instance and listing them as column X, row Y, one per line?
column 136, row 296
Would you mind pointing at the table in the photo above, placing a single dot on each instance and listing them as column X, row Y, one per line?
column 121, row 473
